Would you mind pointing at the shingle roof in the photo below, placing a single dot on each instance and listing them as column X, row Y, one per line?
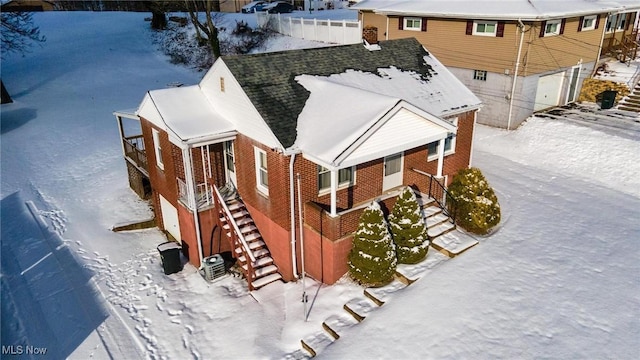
column 268, row 79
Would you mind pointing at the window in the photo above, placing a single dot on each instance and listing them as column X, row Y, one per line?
column 411, row 23
column 158, row 148
column 588, row 23
column 485, row 28
column 616, row 22
column 480, row 75
column 346, row 178
column 262, row 174
column 229, row 156
column 552, row 27
column 449, row 144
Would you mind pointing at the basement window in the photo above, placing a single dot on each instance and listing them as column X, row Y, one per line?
column 480, row 75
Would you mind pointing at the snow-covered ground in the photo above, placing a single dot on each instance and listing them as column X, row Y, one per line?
column 559, row 279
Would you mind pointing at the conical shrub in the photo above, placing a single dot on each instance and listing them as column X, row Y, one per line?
column 372, row 260
column 408, row 229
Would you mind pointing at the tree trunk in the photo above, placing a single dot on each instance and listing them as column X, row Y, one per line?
column 158, row 20
column 6, row 98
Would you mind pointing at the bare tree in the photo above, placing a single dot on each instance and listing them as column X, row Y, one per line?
column 18, row 32
column 207, row 31
column 158, row 17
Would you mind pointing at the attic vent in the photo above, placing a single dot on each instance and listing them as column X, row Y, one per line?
column 221, row 84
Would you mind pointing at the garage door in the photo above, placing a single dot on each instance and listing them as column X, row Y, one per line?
column 548, row 92
column 170, row 218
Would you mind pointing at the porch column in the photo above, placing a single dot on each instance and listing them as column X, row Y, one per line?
column 121, row 130
column 334, row 190
column 440, row 158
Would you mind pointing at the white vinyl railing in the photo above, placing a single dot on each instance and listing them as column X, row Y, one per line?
column 328, row 31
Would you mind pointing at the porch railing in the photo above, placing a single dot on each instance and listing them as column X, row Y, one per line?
column 439, row 193
column 204, row 195
column 134, row 150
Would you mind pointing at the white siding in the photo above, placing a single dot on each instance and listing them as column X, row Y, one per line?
column 234, row 105
column 403, row 131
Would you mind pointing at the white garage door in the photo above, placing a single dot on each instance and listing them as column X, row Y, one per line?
column 548, row 93
column 170, row 218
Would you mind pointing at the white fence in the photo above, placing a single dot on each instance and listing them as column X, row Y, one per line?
column 329, row 31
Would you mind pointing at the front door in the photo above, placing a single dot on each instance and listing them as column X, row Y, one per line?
column 392, row 171
column 573, row 84
column 230, row 162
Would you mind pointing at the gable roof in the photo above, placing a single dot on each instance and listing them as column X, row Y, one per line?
column 533, row 10
column 351, row 132
column 269, row 79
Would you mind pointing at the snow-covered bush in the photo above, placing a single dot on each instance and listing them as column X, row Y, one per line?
column 372, row 260
column 477, row 207
column 408, row 229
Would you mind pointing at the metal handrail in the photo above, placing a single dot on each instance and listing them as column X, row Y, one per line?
column 449, row 210
column 227, row 214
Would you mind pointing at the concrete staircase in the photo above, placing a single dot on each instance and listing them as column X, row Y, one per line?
column 438, row 223
column 262, row 271
column 631, row 102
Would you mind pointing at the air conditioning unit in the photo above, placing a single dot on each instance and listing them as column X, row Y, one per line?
column 213, row 267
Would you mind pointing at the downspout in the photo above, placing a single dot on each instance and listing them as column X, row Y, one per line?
column 604, row 30
column 515, row 74
column 292, row 201
column 473, row 136
column 304, row 286
column 188, row 174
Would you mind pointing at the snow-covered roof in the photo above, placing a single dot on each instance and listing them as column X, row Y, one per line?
column 498, row 9
column 360, row 125
column 185, row 113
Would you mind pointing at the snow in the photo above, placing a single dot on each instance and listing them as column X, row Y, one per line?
column 558, row 279
column 498, row 9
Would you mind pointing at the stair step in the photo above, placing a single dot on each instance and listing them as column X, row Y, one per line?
column 264, row 261
column 627, row 108
column 264, row 271
column 256, row 254
column 425, row 201
column 440, row 229
column 235, row 205
column 436, row 219
column 246, row 229
column 431, row 211
column 258, row 283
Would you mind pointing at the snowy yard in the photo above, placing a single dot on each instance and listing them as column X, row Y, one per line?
column 558, row 280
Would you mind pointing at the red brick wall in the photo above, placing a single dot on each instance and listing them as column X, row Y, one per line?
column 325, row 260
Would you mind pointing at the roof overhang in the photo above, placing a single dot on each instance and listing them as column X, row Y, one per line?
column 186, row 115
column 402, row 128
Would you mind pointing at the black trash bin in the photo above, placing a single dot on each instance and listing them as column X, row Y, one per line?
column 170, row 257
column 608, row 99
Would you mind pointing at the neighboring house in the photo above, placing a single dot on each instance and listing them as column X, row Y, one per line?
column 325, row 131
column 26, row 5
column 551, row 45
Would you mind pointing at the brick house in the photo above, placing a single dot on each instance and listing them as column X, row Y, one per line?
column 273, row 149
column 518, row 56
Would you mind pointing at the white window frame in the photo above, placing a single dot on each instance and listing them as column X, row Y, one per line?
column 610, row 27
column 593, row 19
column 414, row 20
column 262, row 187
column 557, row 22
column 480, row 75
column 485, row 23
column 450, row 142
column 157, row 148
column 341, row 184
